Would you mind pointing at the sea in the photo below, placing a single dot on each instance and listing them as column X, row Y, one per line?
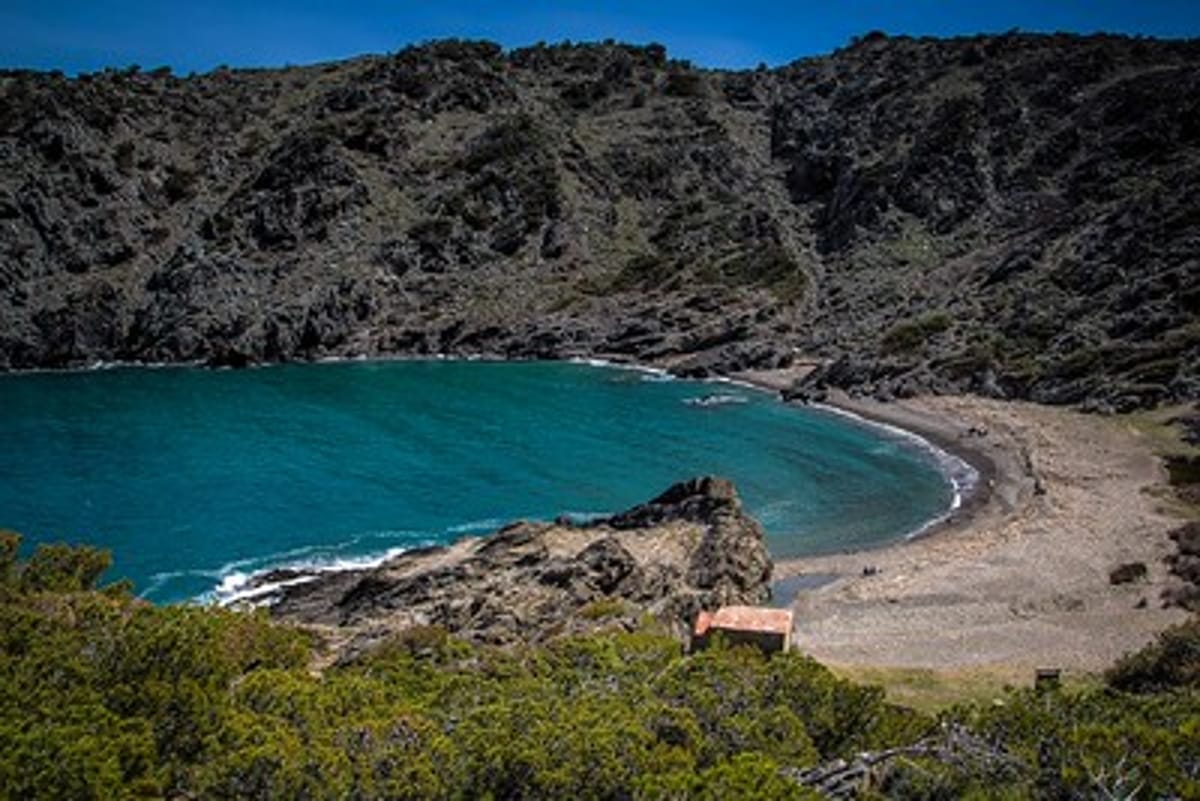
column 196, row 479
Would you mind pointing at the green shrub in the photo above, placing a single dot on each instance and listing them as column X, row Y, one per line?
column 1170, row 663
column 684, row 83
column 64, row 568
column 644, row 271
column 10, row 543
column 102, row 696
column 603, row 608
column 770, row 267
column 909, row 336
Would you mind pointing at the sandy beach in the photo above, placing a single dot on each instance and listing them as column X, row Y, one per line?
column 1019, row 577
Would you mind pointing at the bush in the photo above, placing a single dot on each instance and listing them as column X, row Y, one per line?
column 64, row 568
column 102, row 696
column 909, row 336
column 10, row 543
column 680, row 83
column 106, row 697
column 771, row 267
column 1128, row 573
column 1094, row 744
column 1170, row 663
column 180, row 184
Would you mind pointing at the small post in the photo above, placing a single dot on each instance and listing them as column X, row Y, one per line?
column 1047, row 679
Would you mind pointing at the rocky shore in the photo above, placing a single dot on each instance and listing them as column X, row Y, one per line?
column 693, row 547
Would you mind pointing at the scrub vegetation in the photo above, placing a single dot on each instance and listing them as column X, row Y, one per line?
column 105, row 696
column 1012, row 216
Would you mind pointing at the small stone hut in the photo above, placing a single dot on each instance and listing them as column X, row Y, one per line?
column 767, row 629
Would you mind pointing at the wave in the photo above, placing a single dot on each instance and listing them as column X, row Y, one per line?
column 240, row 582
column 737, row 382
column 716, row 399
column 486, row 525
column 241, row 587
column 648, row 373
column 230, row 581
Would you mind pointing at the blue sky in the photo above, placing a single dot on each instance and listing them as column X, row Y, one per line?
column 198, row 35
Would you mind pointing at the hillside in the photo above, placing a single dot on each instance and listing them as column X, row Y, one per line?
column 1015, row 216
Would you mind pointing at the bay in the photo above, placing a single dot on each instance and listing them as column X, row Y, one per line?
column 196, row 478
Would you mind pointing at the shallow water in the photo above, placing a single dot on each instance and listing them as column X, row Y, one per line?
column 195, row 478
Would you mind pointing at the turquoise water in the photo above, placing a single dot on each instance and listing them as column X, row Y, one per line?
column 194, row 478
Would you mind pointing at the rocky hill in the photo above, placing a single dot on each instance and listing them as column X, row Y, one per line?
column 1015, row 215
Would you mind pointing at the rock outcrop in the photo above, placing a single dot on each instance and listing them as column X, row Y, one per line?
column 691, row 548
column 1013, row 215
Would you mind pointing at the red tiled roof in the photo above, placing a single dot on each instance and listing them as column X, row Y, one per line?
column 745, row 618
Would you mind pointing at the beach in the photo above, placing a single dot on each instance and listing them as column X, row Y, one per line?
column 1017, row 577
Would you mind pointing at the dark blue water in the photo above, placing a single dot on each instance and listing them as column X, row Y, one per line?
column 194, row 478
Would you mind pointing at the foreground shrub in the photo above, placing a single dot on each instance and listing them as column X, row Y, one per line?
column 1172, row 662
column 103, row 696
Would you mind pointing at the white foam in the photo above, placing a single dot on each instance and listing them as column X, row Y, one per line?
column 100, row 366
column 232, row 587
column 233, row 590
column 963, row 477
column 231, row 578
column 736, row 382
column 477, row 526
column 649, row 373
column 159, row 580
column 716, row 399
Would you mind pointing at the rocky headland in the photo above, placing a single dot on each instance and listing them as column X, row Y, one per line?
column 693, row 547
column 1013, row 216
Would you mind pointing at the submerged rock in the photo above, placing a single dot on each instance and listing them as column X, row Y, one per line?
column 691, row 548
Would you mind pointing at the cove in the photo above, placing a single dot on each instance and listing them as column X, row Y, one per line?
column 196, row 478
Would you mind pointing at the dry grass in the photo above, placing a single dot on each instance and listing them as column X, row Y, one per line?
column 1165, row 439
column 934, row 690
column 1156, row 429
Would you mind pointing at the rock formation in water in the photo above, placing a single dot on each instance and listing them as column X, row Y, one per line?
column 691, row 548
column 1012, row 215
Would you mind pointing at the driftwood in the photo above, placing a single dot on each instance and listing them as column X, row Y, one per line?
column 952, row 744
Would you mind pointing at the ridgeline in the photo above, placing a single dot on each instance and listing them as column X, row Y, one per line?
column 1015, row 216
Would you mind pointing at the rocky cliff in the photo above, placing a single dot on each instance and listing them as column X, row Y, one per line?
column 1015, row 215
column 691, row 548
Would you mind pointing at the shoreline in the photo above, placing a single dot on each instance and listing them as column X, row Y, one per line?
column 1016, row 579
column 930, row 434
column 248, row 588
column 947, row 455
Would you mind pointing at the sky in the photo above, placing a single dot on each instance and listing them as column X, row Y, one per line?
column 78, row 36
